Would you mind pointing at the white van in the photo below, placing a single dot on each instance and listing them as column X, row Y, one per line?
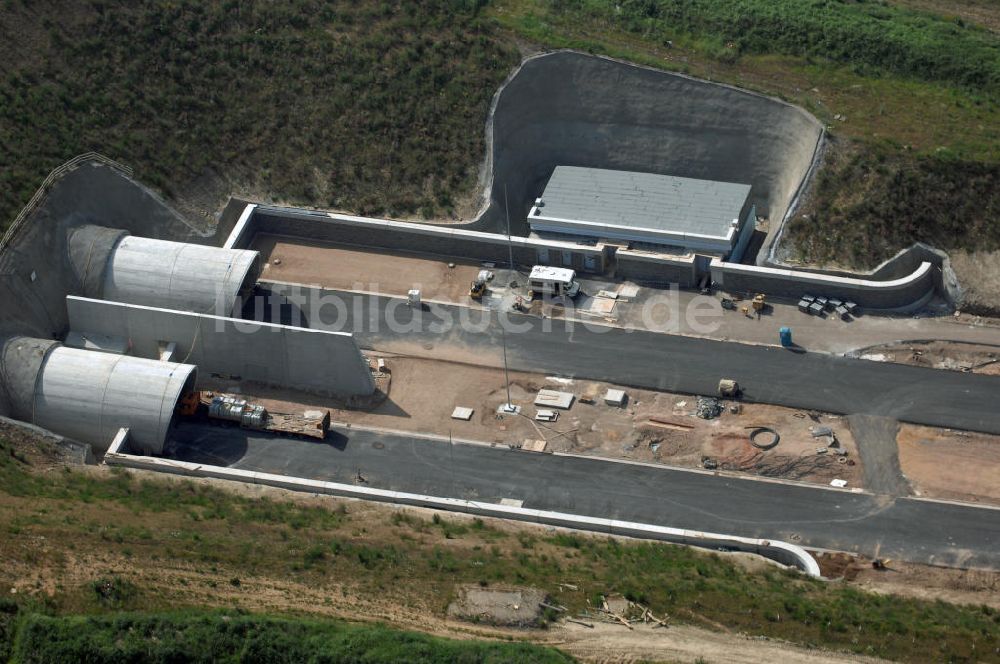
column 554, row 281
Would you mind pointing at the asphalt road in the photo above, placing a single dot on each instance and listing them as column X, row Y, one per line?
column 674, row 363
column 902, row 528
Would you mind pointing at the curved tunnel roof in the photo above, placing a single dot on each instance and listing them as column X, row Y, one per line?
column 89, row 396
column 176, row 275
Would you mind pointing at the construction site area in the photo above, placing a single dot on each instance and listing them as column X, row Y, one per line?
column 606, row 347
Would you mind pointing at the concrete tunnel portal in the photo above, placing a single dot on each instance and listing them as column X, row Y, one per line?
column 113, row 265
column 89, row 395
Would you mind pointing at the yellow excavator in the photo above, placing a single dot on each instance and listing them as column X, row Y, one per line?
column 757, row 306
column 478, row 288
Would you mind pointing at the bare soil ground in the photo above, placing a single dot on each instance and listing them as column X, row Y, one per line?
column 909, row 580
column 349, row 267
column 609, row 643
column 511, row 607
column 951, row 465
column 984, row 12
column 367, row 269
column 979, row 275
column 954, row 356
column 653, row 427
column 657, row 427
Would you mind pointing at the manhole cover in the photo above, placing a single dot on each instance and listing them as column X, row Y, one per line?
column 379, row 446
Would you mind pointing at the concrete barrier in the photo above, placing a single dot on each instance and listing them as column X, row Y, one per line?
column 911, row 290
column 787, row 554
column 403, row 236
column 313, row 360
column 656, row 269
column 903, row 264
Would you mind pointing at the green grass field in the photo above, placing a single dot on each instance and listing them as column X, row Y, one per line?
column 201, row 636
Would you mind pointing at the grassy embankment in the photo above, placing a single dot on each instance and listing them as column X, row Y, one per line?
column 913, row 101
column 97, row 542
column 376, row 107
column 201, row 636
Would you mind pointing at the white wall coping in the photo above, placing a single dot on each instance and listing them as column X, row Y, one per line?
column 822, row 279
column 428, row 229
column 686, row 260
column 240, row 227
column 667, row 235
column 804, row 561
column 241, row 324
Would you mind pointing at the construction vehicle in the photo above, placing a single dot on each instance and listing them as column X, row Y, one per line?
column 756, row 307
column 554, row 281
column 478, row 288
column 222, row 408
column 729, row 388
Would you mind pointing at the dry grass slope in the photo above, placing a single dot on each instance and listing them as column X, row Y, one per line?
column 97, row 542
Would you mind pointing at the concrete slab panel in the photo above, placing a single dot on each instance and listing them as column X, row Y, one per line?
column 312, row 360
column 554, row 399
column 461, row 413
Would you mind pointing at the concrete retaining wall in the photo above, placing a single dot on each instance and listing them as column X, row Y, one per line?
column 904, row 263
column 787, row 554
column 312, row 360
column 575, row 109
column 92, row 194
column 913, row 289
column 656, row 269
column 402, row 236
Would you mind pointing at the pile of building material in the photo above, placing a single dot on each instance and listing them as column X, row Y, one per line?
column 554, row 399
column 708, row 408
column 818, row 306
column 615, row 398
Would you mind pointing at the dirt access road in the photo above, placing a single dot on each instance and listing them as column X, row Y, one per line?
column 369, row 270
column 653, row 427
column 661, row 427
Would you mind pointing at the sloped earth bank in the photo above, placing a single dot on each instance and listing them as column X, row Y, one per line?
column 573, row 109
column 38, row 269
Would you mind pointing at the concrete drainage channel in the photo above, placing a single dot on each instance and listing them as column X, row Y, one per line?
column 782, row 552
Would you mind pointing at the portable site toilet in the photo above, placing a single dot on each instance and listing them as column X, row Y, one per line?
column 785, row 334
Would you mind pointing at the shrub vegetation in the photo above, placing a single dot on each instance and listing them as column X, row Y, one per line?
column 376, row 107
column 195, row 636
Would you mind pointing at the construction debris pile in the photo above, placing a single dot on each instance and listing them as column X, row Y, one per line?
column 708, row 408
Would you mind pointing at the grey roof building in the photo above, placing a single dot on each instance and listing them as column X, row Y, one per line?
column 698, row 216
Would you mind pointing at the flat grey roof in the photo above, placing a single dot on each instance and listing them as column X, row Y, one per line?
column 642, row 200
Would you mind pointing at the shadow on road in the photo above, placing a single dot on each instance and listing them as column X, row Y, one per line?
column 216, row 445
column 266, row 306
column 391, row 408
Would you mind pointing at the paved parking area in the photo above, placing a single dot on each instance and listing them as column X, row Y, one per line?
column 659, row 310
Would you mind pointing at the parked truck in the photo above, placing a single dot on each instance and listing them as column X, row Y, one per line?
column 554, row 281
column 218, row 407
